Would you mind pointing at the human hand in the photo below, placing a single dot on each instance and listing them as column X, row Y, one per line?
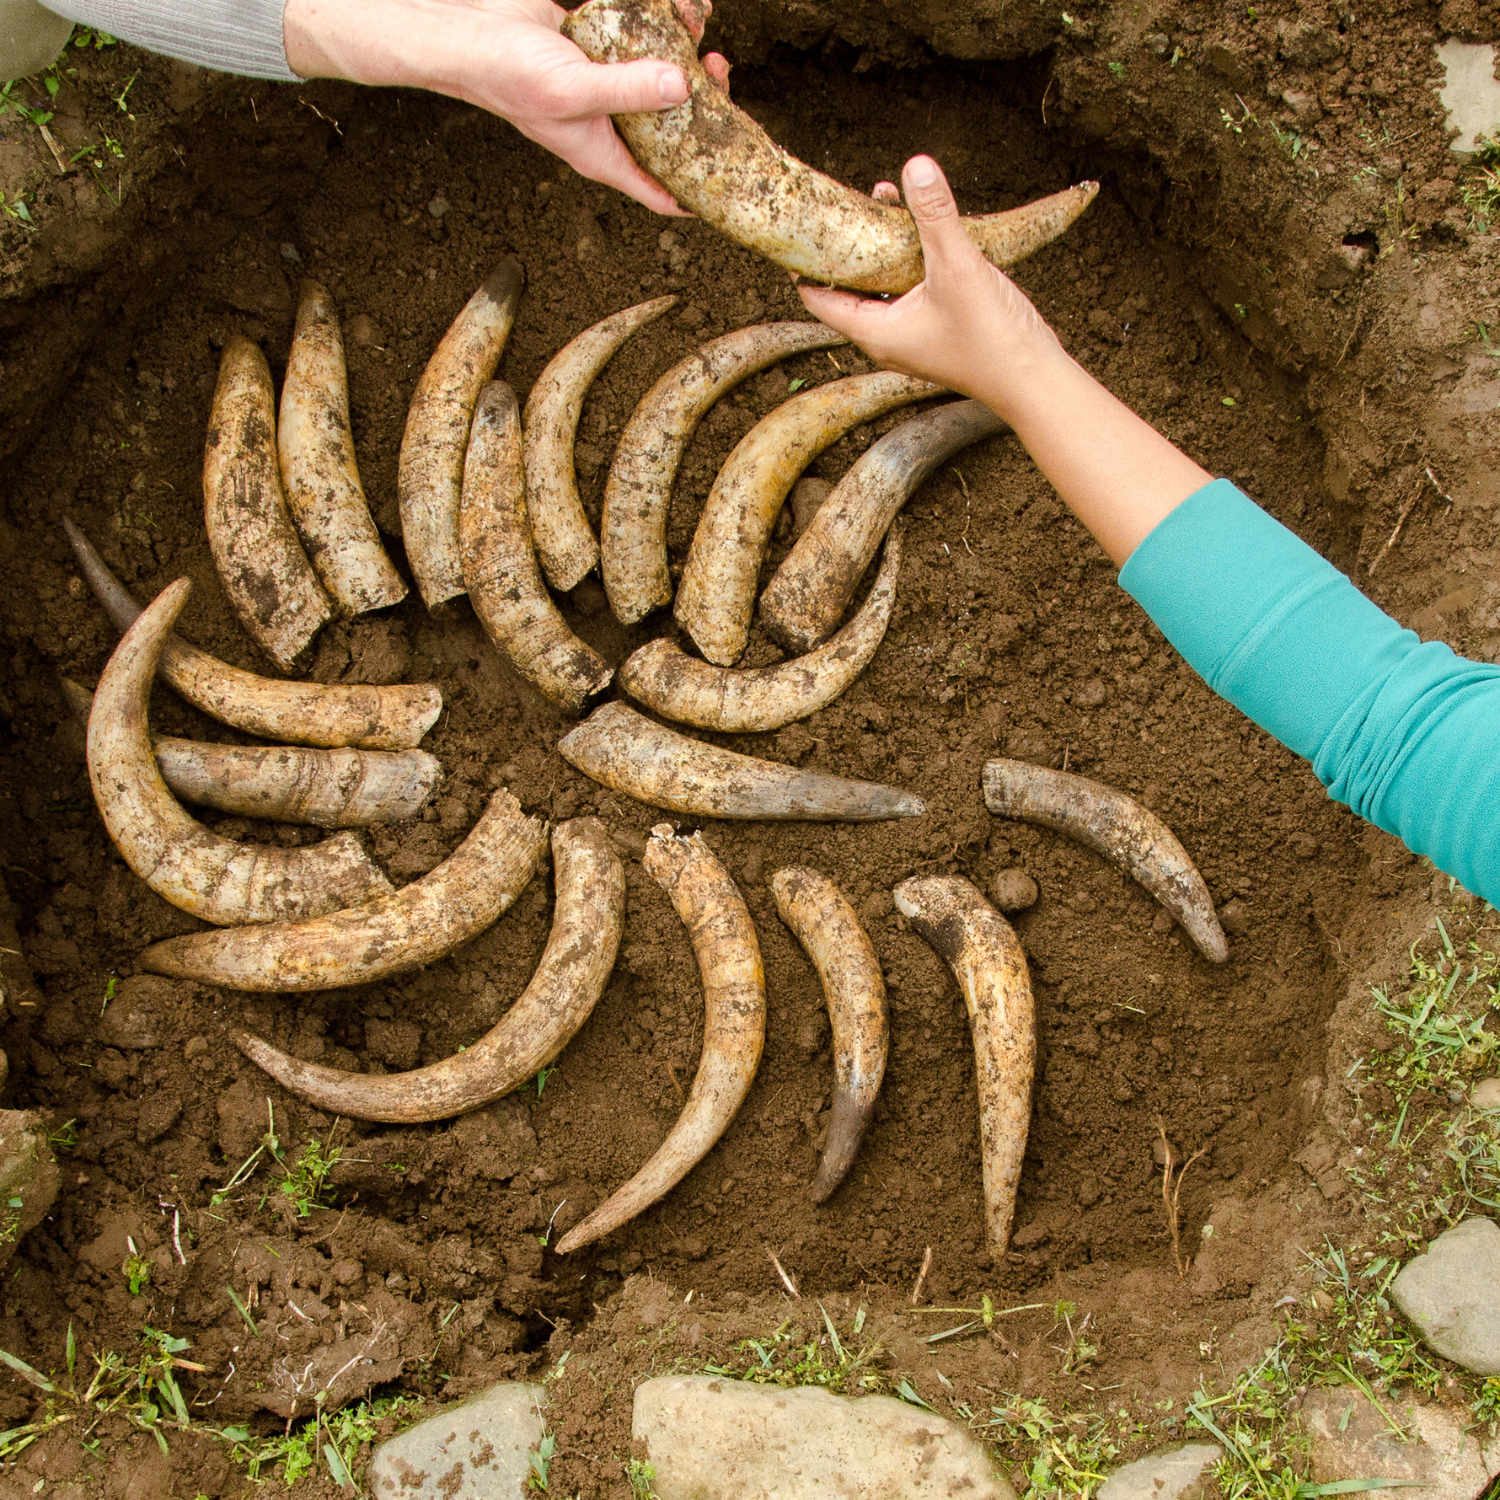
column 967, row 326
column 509, row 57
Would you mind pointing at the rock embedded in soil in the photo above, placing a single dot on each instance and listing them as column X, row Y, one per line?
column 1173, row 1474
column 1452, row 1294
column 714, row 1439
column 477, row 1450
column 1014, row 890
column 1349, row 1437
column 1486, row 1094
column 28, row 1177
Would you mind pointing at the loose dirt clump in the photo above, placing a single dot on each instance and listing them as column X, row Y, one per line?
column 308, row 1262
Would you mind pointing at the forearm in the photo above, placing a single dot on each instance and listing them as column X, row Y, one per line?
column 425, row 44
column 1121, row 477
column 233, row 36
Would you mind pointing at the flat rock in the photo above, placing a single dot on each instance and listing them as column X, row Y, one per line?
column 1173, row 1474
column 714, row 1439
column 477, row 1450
column 1486, row 1094
column 1452, row 1294
column 28, row 1177
column 1350, row 1439
column 1470, row 92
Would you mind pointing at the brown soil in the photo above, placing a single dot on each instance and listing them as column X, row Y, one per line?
column 1010, row 637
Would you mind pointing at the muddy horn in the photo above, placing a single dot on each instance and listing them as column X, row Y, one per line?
column 574, row 967
column 716, row 596
column 803, row 604
column 826, row 926
column 419, row 924
column 181, row 860
column 305, row 713
column 719, row 164
column 1114, row 825
column 633, row 533
column 430, row 475
column 319, row 469
column 734, row 1024
column 986, row 958
column 626, row 751
column 264, row 570
column 752, row 700
column 564, row 540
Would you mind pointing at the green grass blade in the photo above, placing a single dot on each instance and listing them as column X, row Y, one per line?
column 26, row 1372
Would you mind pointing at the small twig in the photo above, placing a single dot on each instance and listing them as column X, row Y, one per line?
column 786, row 1280
column 55, row 149
column 1401, row 518
column 1171, row 1195
column 681, row 1098
column 916, row 1291
column 1441, row 491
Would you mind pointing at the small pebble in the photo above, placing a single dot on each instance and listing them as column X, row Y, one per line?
column 1234, row 917
column 1486, row 1094
column 1013, row 890
column 1091, row 695
column 364, row 331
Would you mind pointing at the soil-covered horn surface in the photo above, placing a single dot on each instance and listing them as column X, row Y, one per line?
column 1282, row 271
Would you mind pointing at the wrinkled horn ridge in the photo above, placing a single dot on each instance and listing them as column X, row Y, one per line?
column 586, row 926
column 265, row 573
column 181, row 860
column 500, row 566
column 305, row 713
column 430, row 474
column 734, row 1024
column 657, row 766
column 419, row 924
column 980, row 947
column 716, row 597
column 803, row 604
column 633, row 533
column 318, row 467
column 719, row 164
column 753, row 700
column 840, row 949
column 290, row 783
column 1128, row 835
column 565, row 542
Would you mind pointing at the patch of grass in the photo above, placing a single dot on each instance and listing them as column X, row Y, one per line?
column 794, row 1355
column 540, row 1461
column 305, row 1181
column 1481, row 190
column 641, row 1477
column 336, row 1441
column 1059, row 1453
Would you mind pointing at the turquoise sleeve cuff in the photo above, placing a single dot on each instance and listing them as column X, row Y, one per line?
column 1406, row 733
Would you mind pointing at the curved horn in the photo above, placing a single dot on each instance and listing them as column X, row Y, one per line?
column 264, row 570
column 803, row 604
column 716, row 596
column 734, row 1025
column 622, row 749
column 499, row 563
column 633, row 532
column 290, row 783
column 979, row 946
column 719, row 164
column 319, row 469
column 419, row 924
column 431, row 470
column 181, row 860
column 753, row 700
column 1129, row 836
column 564, row 540
column 308, row 713
column 826, row 926
column 586, row 925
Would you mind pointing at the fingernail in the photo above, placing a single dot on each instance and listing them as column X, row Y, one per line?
column 921, row 171
column 672, row 86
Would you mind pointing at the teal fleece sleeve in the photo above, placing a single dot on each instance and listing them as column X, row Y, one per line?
column 1406, row 733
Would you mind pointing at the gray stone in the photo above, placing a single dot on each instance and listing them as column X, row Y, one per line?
column 714, row 1439
column 1471, row 94
column 1486, row 1094
column 1349, row 1438
column 1452, row 1294
column 1173, row 1474
column 477, row 1450
column 28, row 1177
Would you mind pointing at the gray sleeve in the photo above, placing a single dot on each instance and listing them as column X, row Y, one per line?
column 233, row 36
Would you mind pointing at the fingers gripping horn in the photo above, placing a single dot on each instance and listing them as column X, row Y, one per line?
column 719, row 164
column 980, row 947
column 567, row 984
column 734, row 1024
column 181, row 860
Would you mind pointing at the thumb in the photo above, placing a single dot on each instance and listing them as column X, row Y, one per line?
column 625, row 88
column 945, row 242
